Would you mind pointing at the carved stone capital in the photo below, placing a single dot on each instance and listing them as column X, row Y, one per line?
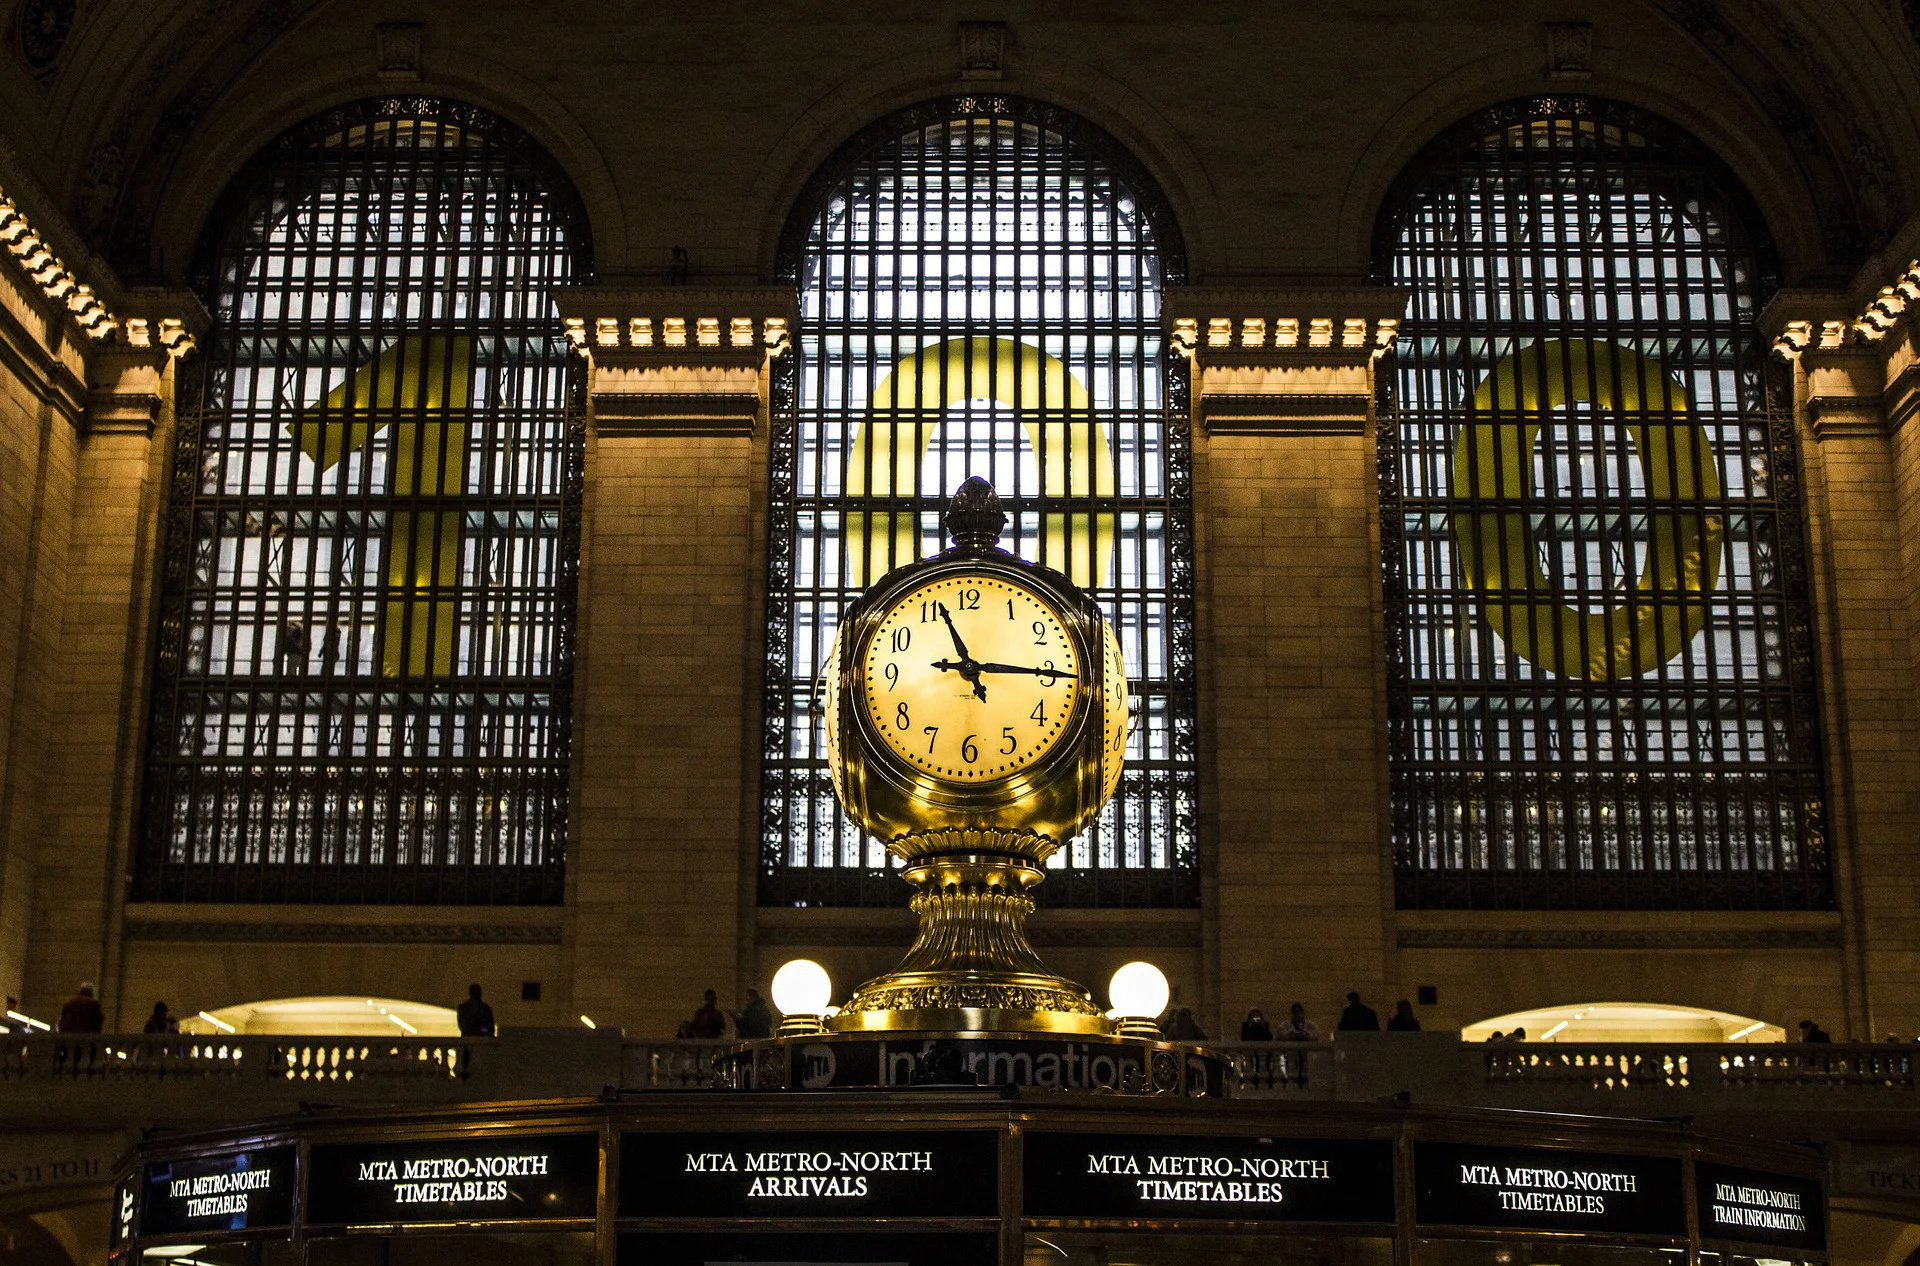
column 677, row 360
column 1283, row 361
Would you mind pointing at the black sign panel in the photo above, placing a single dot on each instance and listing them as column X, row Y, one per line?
column 1759, row 1208
column 923, row 1174
column 230, row 1191
column 476, row 1178
column 1206, row 1176
column 839, row 1248
column 1541, row 1189
column 120, row 1234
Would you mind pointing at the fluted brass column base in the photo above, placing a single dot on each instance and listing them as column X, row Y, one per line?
column 970, row 968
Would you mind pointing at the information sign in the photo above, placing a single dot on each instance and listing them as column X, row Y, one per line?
column 1759, row 1208
column 1207, row 1176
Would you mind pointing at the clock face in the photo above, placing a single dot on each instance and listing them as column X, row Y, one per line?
column 970, row 678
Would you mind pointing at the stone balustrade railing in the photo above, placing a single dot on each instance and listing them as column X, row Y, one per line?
column 112, row 1080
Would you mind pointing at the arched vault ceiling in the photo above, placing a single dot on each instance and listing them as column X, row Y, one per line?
column 140, row 82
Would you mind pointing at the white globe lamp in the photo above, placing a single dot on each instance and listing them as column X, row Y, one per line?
column 803, row 993
column 1139, row 994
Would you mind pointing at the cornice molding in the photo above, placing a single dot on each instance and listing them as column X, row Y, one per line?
column 344, row 933
column 1619, row 938
column 680, row 325
column 1283, row 326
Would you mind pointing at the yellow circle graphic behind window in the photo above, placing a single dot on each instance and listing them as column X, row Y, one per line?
column 1680, row 556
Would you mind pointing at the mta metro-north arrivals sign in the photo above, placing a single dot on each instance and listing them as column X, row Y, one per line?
column 924, row 1173
column 476, row 1178
column 1548, row 1189
column 1759, row 1208
column 229, row 1191
column 1204, row 1176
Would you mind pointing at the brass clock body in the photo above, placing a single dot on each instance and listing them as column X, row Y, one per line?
column 976, row 718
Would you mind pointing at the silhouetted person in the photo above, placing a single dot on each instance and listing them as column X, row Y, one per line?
column 474, row 1016
column 755, row 1019
column 1403, row 1019
column 709, row 1021
column 1518, row 1035
column 1496, row 1036
column 81, row 1013
column 1255, row 1027
column 1185, row 1028
column 1809, row 1032
column 1358, row 1017
column 161, row 1021
column 1297, row 1028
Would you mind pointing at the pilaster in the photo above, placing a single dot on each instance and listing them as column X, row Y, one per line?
column 108, row 471
column 1853, row 388
column 1293, row 700
column 669, row 613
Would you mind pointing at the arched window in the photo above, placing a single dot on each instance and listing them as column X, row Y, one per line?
column 980, row 288
column 1600, row 679
column 364, row 674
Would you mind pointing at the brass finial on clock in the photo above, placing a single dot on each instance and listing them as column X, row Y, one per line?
column 974, row 518
column 976, row 722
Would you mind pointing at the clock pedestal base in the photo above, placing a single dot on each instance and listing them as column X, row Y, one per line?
column 971, row 969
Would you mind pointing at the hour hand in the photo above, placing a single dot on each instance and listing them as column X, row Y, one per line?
column 1016, row 668
column 966, row 668
column 958, row 645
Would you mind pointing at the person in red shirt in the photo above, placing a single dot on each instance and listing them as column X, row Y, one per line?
column 709, row 1021
column 81, row 1013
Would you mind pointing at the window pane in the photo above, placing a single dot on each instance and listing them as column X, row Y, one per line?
column 1600, row 684
column 980, row 294
column 364, row 677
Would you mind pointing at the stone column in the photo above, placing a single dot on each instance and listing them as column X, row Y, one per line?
column 660, row 879
column 1293, row 705
column 115, row 466
column 43, row 402
column 1855, row 377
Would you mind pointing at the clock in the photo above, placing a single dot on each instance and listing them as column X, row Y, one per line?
column 975, row 690
column 970, row 677
column 976, row 720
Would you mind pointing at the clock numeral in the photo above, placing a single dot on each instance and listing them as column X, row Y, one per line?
column 926, row 611
column 902, row 638
column 1039, row 633
column 1012, row 743
column 1048, row 673
column 900, row 718
column 969, row 599
column 893, row 676
column 968, row 752
column 1039, row 712
column 933, row 734
column 1009, row 608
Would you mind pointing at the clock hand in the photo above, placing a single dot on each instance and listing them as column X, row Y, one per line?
column 965, row 666
column 967, row 669
column 1015, row 668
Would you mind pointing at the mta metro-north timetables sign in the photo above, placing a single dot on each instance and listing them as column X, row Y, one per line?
column 1549, row 1189
column 1207, row 1176
column 474, row 1178
column 227, row 1191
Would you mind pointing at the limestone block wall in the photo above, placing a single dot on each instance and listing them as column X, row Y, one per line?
column 41, row 397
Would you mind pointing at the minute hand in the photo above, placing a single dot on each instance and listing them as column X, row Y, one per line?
column 1016, row 668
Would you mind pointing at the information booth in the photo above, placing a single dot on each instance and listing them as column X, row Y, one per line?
column 963, row 1177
